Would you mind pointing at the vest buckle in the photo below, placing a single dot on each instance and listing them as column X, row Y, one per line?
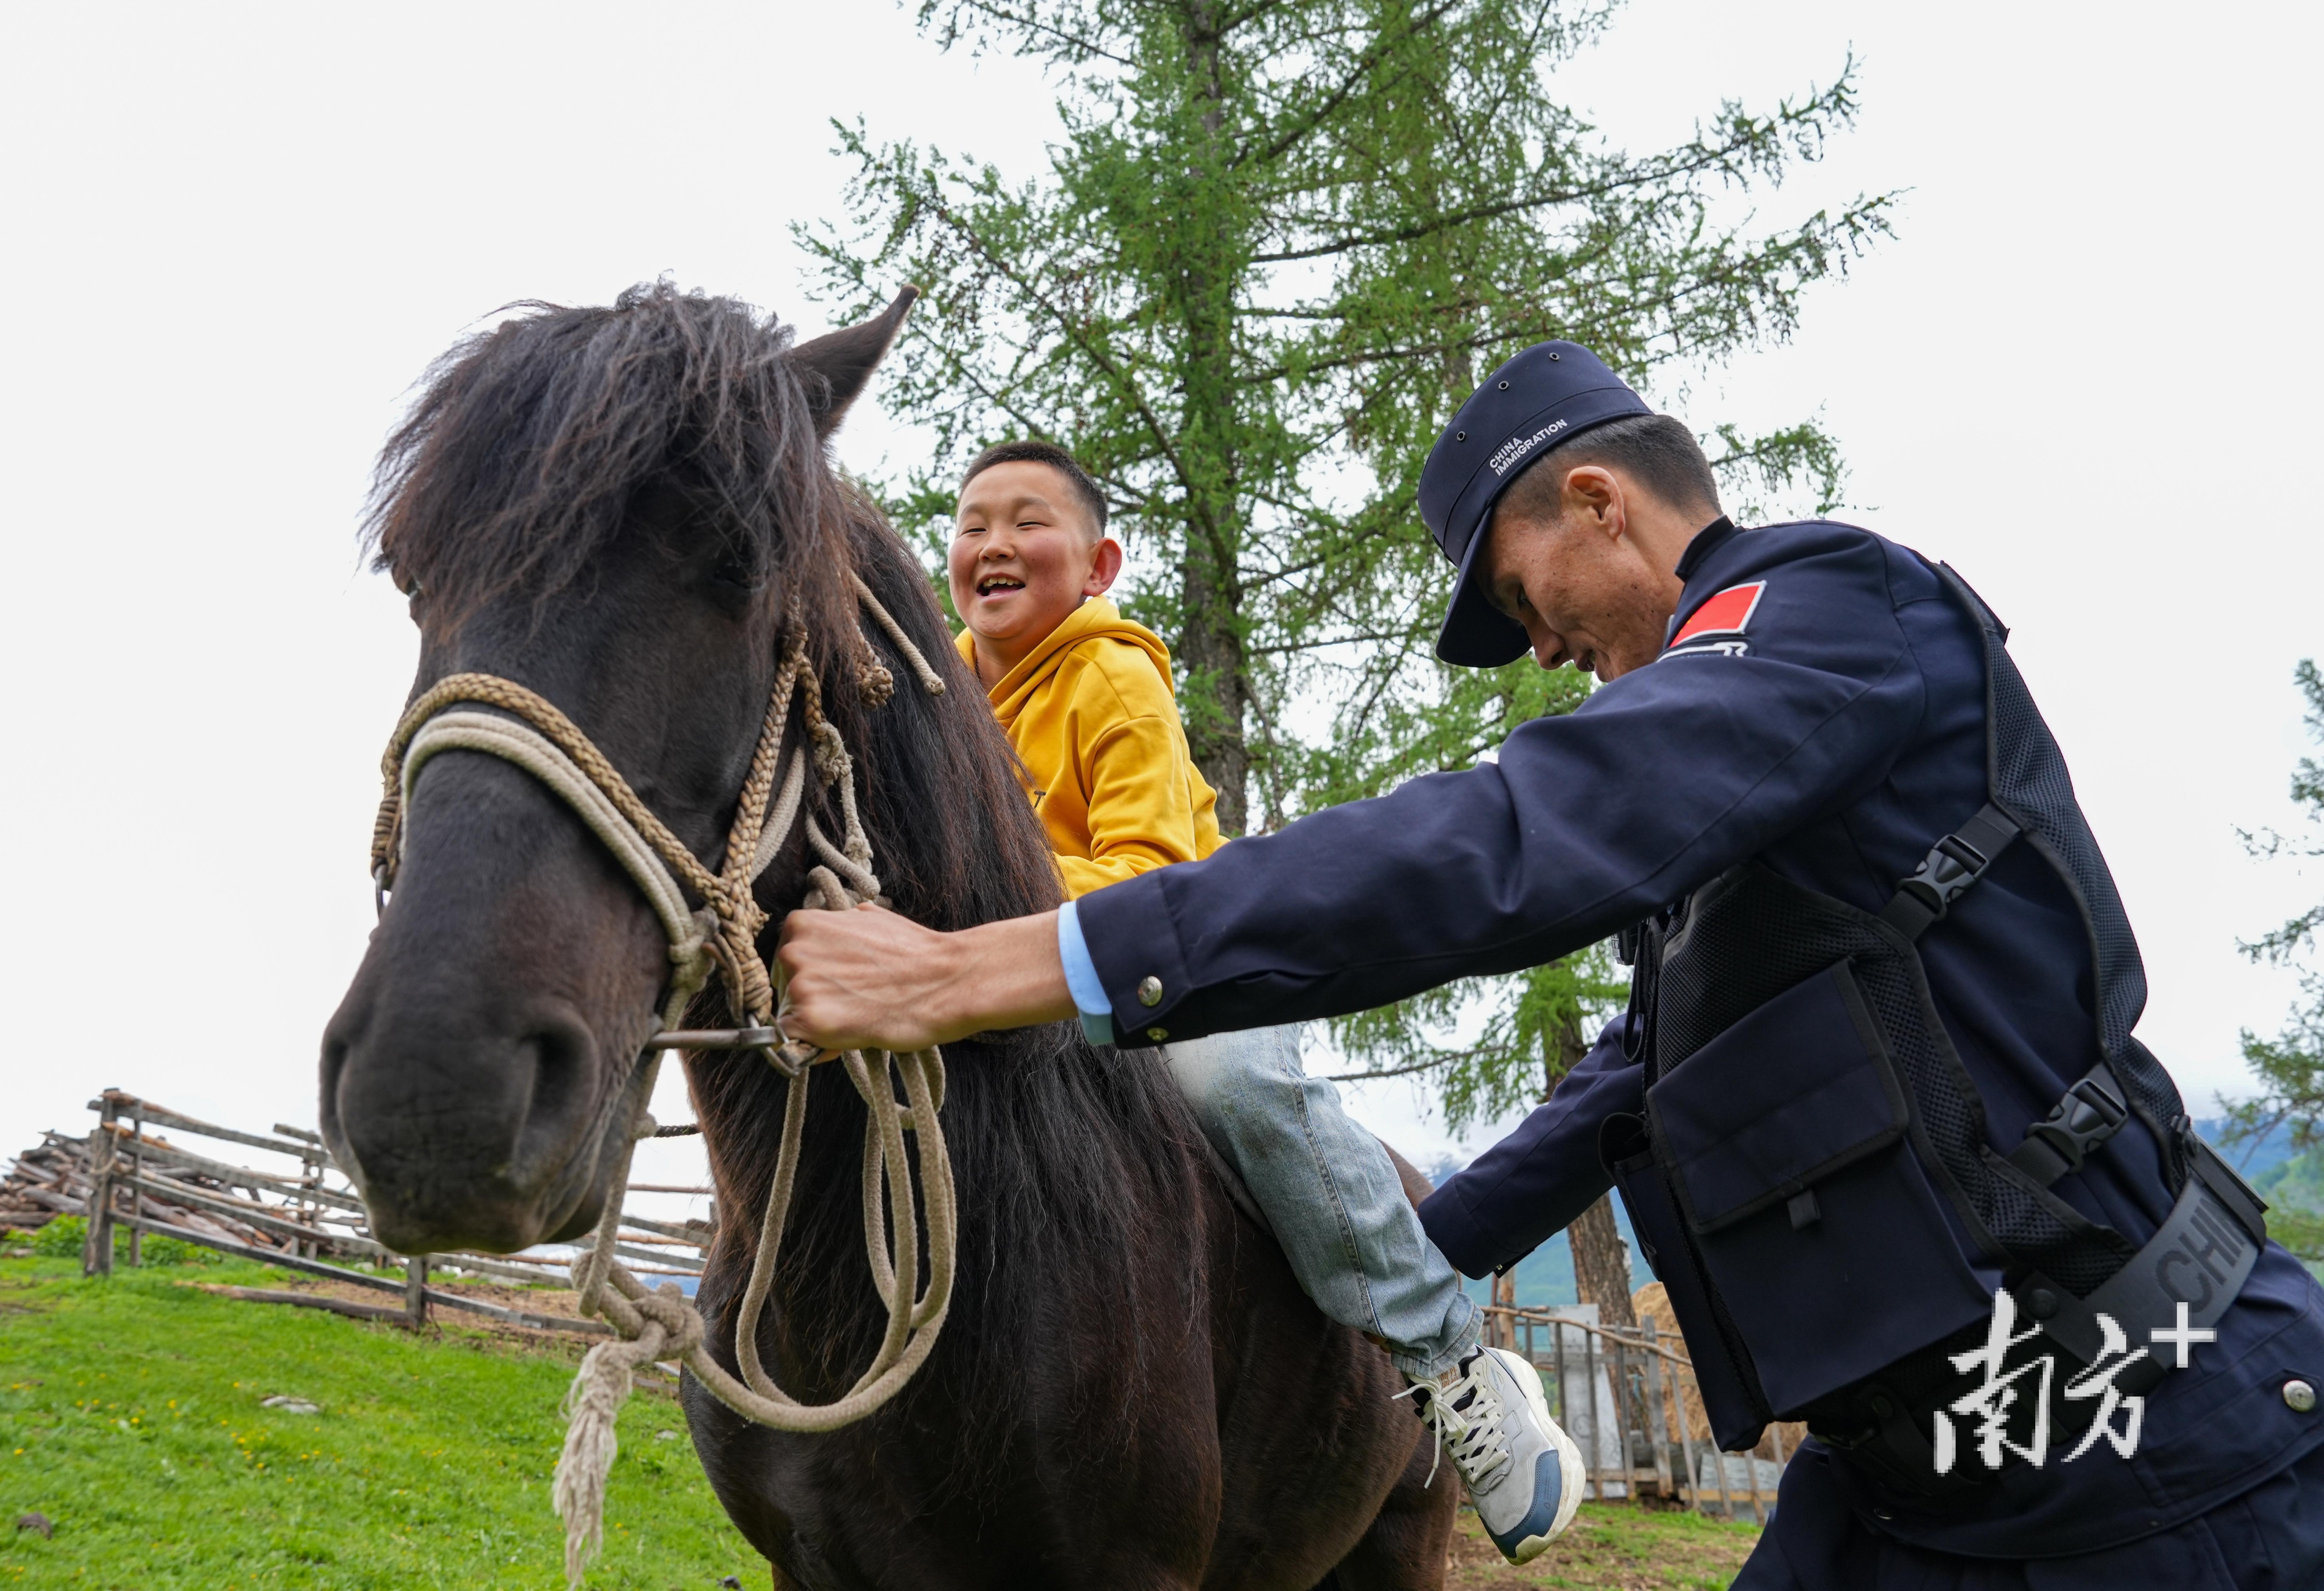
column 2084, row 1117
column 1951, row 865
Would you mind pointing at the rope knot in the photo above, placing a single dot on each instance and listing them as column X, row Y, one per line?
column 679, row 1319
column 684, row 952
column 874, row 685
column 830, row 752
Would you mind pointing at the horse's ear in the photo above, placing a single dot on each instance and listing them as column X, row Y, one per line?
column 834, row 369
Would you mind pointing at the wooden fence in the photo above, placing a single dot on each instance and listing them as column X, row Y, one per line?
column 302, row 1215
column 1628, row 1399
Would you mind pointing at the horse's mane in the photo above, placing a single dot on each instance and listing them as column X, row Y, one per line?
column 517, row 466
column 521, row 458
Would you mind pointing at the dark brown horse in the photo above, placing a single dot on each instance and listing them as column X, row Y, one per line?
column 621, row 508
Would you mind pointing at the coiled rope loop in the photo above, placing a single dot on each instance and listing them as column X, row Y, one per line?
column 721, row 936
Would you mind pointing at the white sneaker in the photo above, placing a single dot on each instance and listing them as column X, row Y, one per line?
column 1524, row 1473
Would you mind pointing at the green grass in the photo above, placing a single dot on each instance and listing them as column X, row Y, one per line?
column 130, row 1416
column 1613, row 1547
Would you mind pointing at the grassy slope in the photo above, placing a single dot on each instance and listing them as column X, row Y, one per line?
column 129, row 1415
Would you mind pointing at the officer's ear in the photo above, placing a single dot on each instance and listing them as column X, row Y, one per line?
column 1593, row 494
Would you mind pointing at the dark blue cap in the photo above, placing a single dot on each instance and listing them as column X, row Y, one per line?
column 1548, row 394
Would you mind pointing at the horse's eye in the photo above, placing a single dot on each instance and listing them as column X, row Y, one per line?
column 731, row 570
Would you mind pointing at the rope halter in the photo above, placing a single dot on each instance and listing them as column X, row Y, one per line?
column 722, row 937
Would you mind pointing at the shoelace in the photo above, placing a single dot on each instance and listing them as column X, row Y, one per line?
column 1467, row 1417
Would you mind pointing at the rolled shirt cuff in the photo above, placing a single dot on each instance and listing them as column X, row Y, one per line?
column 1082, row 979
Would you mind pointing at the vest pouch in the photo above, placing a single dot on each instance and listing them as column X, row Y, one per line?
column 1734, row 1408
column 1787, row 1143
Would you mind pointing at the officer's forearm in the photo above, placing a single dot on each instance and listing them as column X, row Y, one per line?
column 870, row 979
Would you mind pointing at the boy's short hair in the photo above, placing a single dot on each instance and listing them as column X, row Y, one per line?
column 1056, row 458
column 1657, row 450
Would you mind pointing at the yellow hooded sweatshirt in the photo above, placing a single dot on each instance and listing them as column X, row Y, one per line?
column 1093, row 719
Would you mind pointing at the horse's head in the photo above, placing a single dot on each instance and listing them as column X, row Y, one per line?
column 622, row 509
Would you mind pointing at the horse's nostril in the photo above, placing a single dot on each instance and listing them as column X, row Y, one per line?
column 560, row 1058
column 556, row 1070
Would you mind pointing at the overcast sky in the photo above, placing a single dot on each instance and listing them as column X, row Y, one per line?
column 2082, row 371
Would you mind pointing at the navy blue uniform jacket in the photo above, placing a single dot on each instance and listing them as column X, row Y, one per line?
column 1835, row 738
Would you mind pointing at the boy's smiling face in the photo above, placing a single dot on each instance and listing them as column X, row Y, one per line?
column 1023, row 556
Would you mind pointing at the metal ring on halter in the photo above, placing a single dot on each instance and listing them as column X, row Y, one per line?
column 379, row 889
column 782, row 1052
column 716, row 1038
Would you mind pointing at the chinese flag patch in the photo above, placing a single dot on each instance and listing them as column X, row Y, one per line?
column 1727, row 612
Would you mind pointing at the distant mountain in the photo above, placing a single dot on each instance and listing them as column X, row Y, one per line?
column 2253, row 1160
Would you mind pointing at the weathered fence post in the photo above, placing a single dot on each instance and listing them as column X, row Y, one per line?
column 415, row 1288
column 1776, row 1439
column 1593, row 1467
column 1633, row 1401
column 1718, row 1456
column 1686, row 1439
column 136, row 1194
column 96, row 1253
column 1658, row 1419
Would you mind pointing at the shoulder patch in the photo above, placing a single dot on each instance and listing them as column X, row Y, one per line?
column 1720, row 623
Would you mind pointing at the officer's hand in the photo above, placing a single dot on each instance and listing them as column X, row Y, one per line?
column 869, row 979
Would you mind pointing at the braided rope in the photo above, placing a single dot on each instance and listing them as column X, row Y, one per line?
column 543, row 714
column 723, row 934
column 930, row 680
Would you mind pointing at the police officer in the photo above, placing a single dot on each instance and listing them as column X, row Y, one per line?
column 1876, row 1109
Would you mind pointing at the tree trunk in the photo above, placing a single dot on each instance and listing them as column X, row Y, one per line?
column 1601, row 1260
column 1210, row 652
column 1208, row 253
column 1602, row 1263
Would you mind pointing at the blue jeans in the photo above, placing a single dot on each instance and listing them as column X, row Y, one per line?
column 1330, row 1191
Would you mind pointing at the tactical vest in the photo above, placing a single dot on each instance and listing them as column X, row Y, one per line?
column 1810, row 1133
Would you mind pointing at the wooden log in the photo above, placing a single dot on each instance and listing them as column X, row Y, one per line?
column 162, row 1117
column 452, row 1300
column 257, row 1219
column 382, row 1284
column 269, row 1256
column 243, row 1176
column 315, row 1301
column 697, row 1232
column 172, row 1214
column 626, row 1252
